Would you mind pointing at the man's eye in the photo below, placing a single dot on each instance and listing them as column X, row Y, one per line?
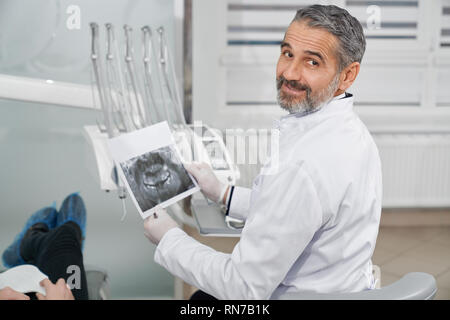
column 313, row 62
column 287, row 54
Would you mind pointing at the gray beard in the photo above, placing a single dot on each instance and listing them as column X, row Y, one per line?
column 312, row 101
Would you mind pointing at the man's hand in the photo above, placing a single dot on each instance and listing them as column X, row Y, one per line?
column 9, row 294
column 207, row 180
column 58, row 291
column 156, row 226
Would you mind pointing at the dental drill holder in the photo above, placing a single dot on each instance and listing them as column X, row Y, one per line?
column 128, row 103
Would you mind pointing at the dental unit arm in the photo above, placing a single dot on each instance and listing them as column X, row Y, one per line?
column 127, row 105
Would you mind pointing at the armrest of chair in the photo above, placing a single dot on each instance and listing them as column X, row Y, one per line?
column 412, row 286
column 98, row 283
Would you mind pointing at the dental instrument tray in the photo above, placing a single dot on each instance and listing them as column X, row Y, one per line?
column 210, row 219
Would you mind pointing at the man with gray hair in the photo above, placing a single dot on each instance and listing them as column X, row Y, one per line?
column 312, row 224
column 339, row 55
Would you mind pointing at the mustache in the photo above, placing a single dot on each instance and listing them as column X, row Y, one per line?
column 292, row 84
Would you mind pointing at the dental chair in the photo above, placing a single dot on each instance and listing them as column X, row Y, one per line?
column 98, row 283
column 412, row 286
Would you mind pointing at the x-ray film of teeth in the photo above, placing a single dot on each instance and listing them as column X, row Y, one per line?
column 150, row 166
column 156, row 177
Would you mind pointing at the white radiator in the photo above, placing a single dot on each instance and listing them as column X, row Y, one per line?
column 416, row 170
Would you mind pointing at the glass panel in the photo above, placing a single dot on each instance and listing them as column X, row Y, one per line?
column 42, row 39
column 44, row 156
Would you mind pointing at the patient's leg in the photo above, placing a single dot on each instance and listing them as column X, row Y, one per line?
column 53, row 251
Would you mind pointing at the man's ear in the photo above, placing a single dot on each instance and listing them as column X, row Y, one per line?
column 348, row 76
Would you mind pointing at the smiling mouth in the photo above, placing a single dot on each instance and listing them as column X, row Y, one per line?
column 286, row 87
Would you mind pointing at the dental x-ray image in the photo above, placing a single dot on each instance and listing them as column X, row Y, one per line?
column 156, row 177
column 149, row 165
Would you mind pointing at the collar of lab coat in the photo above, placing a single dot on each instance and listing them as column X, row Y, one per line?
column 338, row 105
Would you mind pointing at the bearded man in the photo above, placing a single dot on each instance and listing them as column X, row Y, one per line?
column 312, row 224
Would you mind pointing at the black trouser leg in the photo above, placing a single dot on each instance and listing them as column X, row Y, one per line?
column 54, row 251
column 201, row 295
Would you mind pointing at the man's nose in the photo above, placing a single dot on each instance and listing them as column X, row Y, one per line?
column 293, row 71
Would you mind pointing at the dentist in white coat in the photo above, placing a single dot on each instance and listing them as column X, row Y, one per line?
column 312, row 224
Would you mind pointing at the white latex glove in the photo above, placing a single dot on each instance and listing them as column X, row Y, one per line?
column 207, row 180
column 156, row 225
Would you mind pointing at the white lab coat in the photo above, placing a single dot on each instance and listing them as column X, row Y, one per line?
column 311, row 226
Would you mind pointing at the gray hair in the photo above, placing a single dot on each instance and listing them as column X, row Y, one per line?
column 339, row 22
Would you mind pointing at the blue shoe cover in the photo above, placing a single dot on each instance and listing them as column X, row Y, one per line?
column 73, row 209
column 11, row 256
